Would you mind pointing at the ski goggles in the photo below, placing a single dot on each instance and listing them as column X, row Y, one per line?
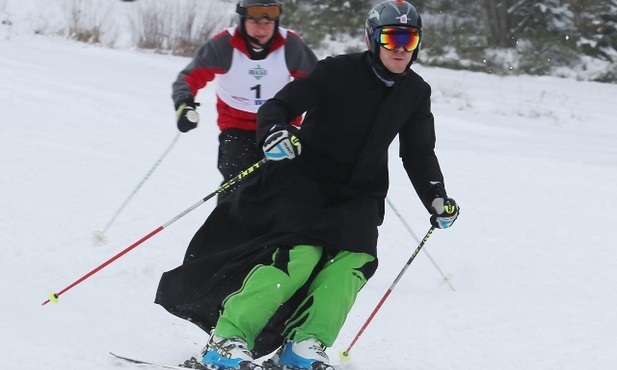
column 271, row 12
column 391, row 38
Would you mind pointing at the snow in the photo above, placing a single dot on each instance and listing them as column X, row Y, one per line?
column 531, row 161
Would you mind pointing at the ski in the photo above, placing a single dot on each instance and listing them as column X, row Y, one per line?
column 192, row 363
column 189, row 363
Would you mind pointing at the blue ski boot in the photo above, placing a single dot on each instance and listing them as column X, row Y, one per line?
column 228, row 354
column 308, row 354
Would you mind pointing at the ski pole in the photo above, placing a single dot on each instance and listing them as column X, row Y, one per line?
column 98, row 237
column 53, row 297
column 344, row 355
column 445, row 279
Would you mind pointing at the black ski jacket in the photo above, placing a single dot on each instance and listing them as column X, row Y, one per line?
column 352, row 118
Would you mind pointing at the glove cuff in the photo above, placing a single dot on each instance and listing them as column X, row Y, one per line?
column 436, row 190
column 437, row 206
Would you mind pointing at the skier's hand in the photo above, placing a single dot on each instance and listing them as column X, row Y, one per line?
column 282, row 143
column 445, row 211
column 187, row 115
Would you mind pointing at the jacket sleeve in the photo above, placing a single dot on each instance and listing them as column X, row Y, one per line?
column 299, row 56
column 212, row 58
column 417, row 150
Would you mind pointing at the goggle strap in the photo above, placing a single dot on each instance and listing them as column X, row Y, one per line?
column 258, row 11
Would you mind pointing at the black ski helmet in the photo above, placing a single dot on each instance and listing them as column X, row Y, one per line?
column 391, row 13
column 242, row 15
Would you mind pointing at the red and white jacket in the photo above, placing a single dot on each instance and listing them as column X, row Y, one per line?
column 243, row 84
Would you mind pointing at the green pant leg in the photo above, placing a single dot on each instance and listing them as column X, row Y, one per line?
column 247, row 311
column 330, row 298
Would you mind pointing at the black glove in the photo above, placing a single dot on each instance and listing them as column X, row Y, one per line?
column 445, row 211
column 282, row 143
column 187, row 115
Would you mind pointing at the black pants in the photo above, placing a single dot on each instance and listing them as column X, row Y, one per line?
column 237, row 151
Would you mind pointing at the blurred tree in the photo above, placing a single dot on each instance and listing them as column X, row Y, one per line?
column 595, row 26
column 317, row 20
column 498, row 21
column 530, row 36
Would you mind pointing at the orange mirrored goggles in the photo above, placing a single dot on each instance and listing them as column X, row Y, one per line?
column 271, row 12
column 394, row 37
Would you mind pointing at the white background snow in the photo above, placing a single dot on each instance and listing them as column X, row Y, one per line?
column 531, row 161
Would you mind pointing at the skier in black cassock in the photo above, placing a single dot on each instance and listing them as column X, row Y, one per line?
column 280, row 262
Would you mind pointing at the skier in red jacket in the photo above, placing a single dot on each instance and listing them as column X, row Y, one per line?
column 249, row 63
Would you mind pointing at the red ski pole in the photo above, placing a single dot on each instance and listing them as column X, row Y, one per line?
column 53, row 297
column 344, row 355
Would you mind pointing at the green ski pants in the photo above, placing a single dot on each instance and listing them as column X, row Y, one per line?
column 321, row 315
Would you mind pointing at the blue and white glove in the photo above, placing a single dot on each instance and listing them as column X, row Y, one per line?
column 281, row 144
column 445, row 212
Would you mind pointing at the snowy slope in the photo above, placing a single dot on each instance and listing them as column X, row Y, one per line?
column 532, row 162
